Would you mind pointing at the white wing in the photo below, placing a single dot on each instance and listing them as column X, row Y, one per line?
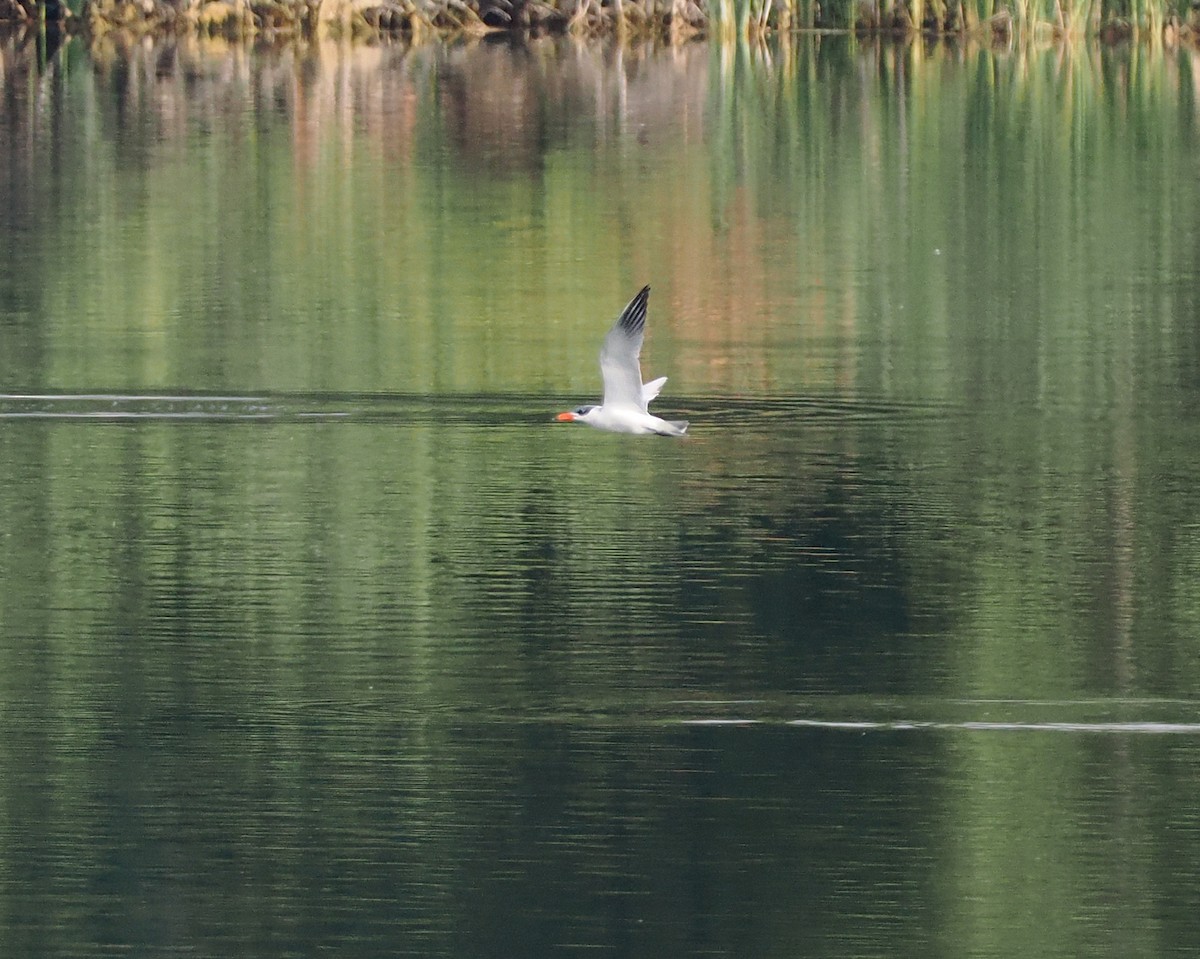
column 651, row 390
column 619, row 356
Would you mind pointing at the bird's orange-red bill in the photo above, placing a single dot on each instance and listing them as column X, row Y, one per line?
column 565, row 417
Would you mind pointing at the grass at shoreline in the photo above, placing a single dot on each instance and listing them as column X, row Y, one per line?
column 1168, row 20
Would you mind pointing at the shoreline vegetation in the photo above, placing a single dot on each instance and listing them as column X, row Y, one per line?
column 1168, row 21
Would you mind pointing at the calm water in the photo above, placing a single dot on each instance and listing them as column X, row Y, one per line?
column 317, row 636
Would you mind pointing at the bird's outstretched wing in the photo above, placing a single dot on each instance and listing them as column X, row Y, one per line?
column 652, row 389
column 619, row 355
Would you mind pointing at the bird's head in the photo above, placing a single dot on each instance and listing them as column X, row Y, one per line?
column 580, row 414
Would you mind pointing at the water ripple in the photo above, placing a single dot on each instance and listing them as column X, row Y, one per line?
column 1060, row 727
column 720, row 412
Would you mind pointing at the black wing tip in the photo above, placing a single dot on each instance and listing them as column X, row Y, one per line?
column 633, row 317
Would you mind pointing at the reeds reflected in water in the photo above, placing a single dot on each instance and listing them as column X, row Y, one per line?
column 671, row 20
column 759, row 177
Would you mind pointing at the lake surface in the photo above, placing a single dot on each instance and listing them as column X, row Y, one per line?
column 318, row 636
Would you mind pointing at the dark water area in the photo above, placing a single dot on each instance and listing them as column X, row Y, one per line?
column 317, row 634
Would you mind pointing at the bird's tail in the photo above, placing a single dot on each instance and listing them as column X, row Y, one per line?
column 678, row 427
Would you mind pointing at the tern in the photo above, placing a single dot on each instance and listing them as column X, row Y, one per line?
column 623, row 409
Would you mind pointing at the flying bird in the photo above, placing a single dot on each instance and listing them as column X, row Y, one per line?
column 626, row 397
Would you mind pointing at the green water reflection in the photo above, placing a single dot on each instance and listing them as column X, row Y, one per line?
column 316, row 633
